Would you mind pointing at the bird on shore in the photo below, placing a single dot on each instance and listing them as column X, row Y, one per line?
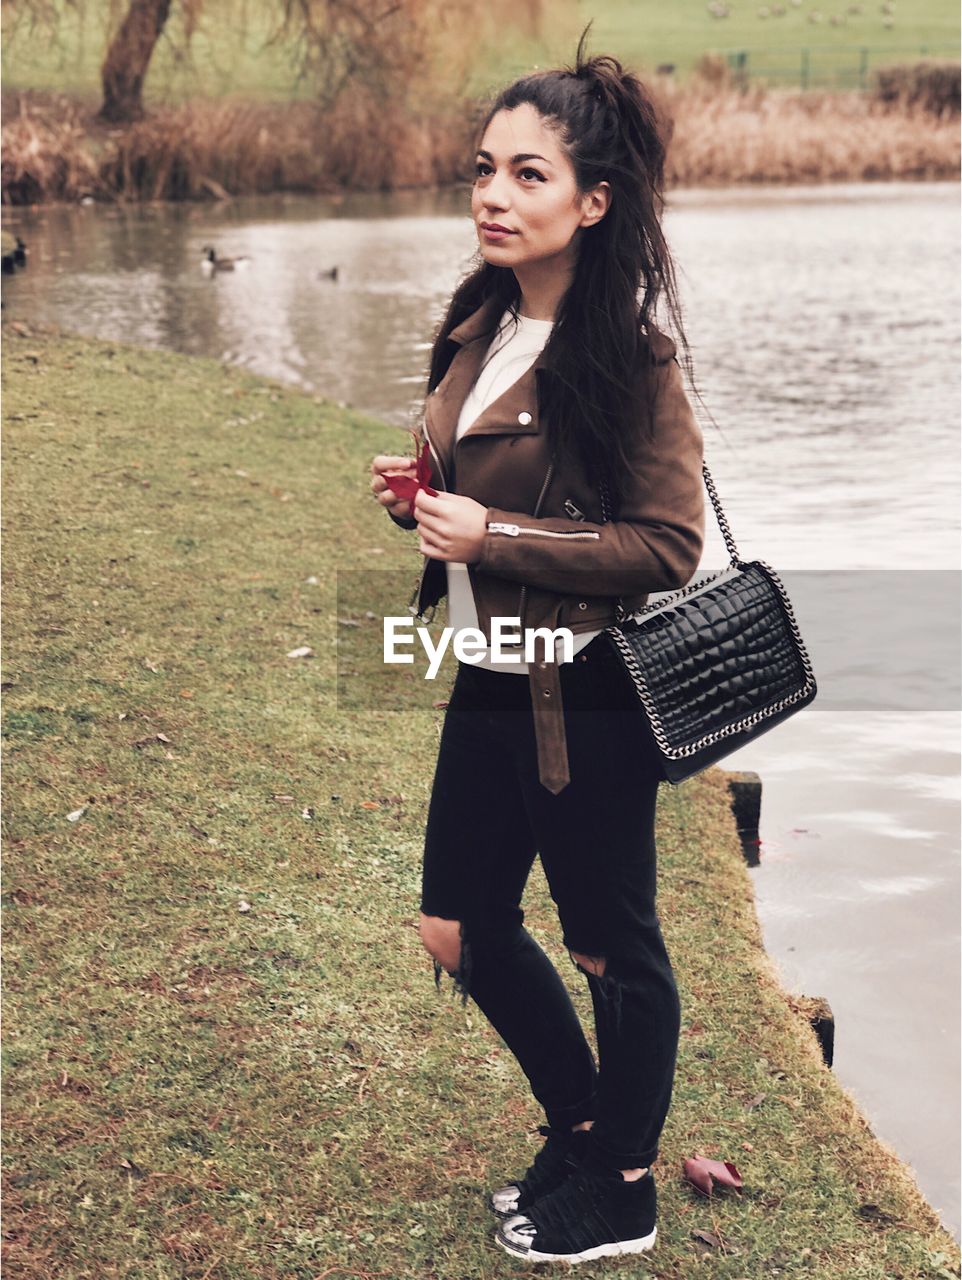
column 330, row 274
column 13, row 256
column 211, row 262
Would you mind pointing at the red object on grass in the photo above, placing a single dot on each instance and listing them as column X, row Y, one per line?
column 406, row 487
column 704, row 1174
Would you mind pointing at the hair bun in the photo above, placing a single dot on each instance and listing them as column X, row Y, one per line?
column 605, row 80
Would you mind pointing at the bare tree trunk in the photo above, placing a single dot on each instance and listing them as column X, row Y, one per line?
column 128, row 57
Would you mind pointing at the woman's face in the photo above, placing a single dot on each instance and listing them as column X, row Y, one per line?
column 525, row 185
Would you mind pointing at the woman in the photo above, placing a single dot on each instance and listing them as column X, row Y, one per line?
column 552, row 399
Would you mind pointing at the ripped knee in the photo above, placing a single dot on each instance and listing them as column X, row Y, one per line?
column 442, row 940
column 590, row 964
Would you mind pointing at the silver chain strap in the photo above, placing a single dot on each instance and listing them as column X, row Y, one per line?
column 621, row 612
column 716, row 506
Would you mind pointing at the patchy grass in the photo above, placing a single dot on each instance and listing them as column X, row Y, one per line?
column 225, row 1057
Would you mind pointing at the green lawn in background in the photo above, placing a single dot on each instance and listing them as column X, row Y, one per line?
column 232, row 56
column 649, row 32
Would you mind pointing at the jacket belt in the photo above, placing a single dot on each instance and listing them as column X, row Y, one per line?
column 549, row 726
column 544, row 680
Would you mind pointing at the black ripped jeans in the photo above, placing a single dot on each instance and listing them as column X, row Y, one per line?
column 488, row 818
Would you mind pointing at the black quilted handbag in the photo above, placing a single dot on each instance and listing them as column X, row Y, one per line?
column 716, row 663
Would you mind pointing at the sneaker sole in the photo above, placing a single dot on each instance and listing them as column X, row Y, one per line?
column 615, row 1249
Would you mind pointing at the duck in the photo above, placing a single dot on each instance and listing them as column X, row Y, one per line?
column 329, row 274
column 13, row 253
column 211, row 262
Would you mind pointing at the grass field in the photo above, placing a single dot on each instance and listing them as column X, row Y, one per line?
column 229, row 55
column 224, row 1058
column 649, row 33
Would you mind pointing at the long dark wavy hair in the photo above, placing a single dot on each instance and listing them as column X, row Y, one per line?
column 595, row 385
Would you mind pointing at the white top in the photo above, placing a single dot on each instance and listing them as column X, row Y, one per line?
column 513, row 350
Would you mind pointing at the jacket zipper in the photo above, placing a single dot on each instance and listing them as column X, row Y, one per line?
column 437, row 458
column 416, row 595
column 514, row 530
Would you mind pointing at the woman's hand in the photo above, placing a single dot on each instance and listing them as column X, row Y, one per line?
column 381, row 486
column 452, row 526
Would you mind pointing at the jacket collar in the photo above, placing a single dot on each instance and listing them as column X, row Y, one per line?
column 478, row 323
column 514, row 412
column 481, row 324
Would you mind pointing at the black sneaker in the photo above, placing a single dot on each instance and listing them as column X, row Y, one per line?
column 561, row 1153
column 591, row 1215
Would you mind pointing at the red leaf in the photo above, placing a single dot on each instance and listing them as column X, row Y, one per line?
column 406, row 487
column 704, row 1175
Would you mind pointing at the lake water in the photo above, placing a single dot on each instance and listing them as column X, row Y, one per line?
column 824, row 324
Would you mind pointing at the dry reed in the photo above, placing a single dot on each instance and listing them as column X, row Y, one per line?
column 726, row 135
column 54, row 150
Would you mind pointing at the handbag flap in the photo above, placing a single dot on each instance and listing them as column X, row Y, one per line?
column 717, row 657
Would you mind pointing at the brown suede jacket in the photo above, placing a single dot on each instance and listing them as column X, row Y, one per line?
column 548, row 555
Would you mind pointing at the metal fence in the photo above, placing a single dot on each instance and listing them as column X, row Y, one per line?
column 826, row 66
